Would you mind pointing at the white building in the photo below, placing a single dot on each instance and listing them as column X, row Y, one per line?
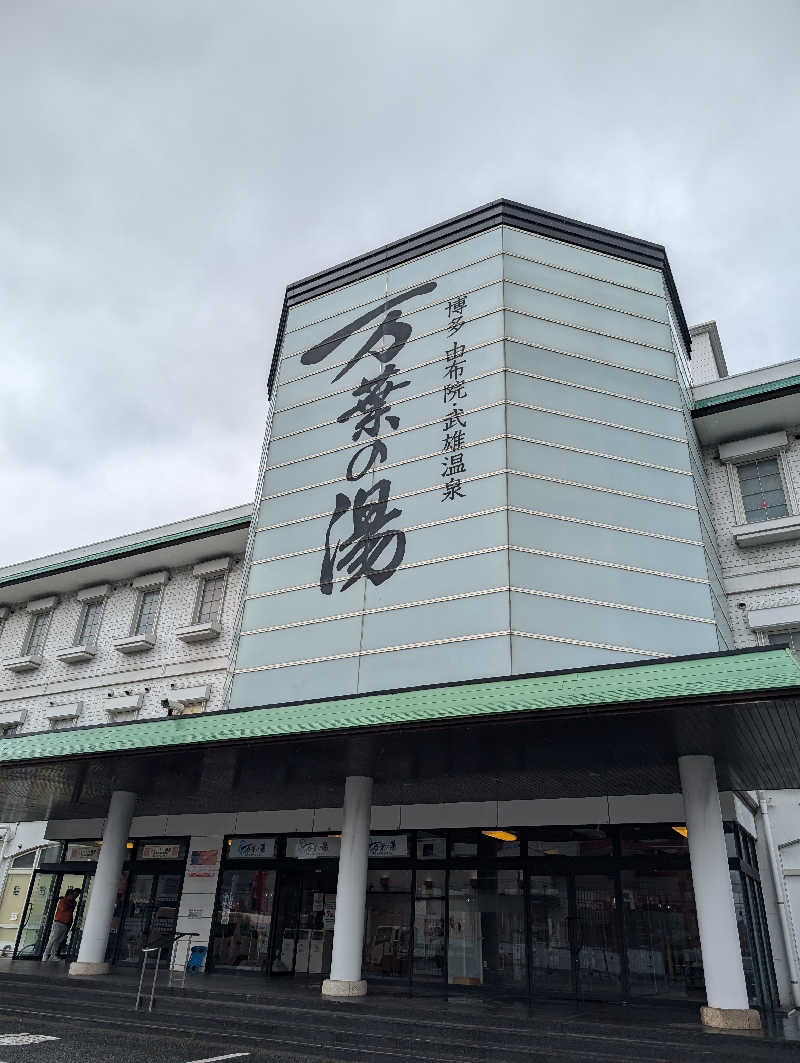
column 528, row 667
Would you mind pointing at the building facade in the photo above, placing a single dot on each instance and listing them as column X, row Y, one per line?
column 488, row 692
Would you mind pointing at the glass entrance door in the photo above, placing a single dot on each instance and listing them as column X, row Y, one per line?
column 37, row 922
column 151, row 914
column 35, row 928
column 303, row 940
column 575, row 950
column 244, row 920
column 486, row 924
column 597, row 949
column 552, row 936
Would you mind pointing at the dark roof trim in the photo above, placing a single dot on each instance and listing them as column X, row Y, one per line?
column 500, row 212
column 128, row 550
column 746, row 400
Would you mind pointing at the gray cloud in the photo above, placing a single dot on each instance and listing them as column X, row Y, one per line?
column 168, row 167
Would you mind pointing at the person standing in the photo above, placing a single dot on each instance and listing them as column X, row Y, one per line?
column 62, row 921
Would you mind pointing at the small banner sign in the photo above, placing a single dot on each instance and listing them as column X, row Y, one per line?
column 76, row 851
column 251, row 849
column 161, row 852
column 203, row 863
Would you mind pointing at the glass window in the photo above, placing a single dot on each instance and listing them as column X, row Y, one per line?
column 90, row 623
column 551, row 935
column 486, row 939
column 243, row 919
column 428, row 961
column 785, row 639
column 597, row 955
column 209, row 601
column 656, row 838
column 570, row 841
column 661, row 934
column 388, row 915
column 24, row 861
column 740, row 906
column 37, row 633
column 147, row 612
column 487, row 843
column 762, row 490
column 431, row 845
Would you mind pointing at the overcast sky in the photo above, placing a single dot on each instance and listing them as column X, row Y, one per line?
column 167, row 167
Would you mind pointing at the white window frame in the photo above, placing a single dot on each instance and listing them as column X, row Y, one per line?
column 201, row 582
column 34, row 618
column 85, row 606
column 736, row 487
column 137, row 612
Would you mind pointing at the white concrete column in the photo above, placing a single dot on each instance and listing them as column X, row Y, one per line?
column 351, row 892
column 726, row 992
column 96, row 928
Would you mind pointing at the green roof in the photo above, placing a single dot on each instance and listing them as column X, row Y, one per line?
column 682, row 678
column 135, row 547
column 757, row 389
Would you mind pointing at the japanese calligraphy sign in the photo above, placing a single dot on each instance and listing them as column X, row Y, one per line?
column 371, row 550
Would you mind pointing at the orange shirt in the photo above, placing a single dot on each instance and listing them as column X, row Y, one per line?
column 64, row 910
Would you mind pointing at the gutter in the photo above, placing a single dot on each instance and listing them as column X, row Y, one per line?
column 789, row 944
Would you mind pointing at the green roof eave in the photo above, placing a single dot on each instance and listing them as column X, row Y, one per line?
column 783, row 385
column 138, row 547
column 626, row 685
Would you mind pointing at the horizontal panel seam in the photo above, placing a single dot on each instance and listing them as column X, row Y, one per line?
column 348, row 390
column 498, row 472
column 586, row 358
column 601, row 524
column 576, row 558
column 580, row 299
column 400, row 568
column 499, row 509
column 445, row 642
column 593, row 389
column 411, row 339
column 392, row 291
column 587, row 643
column 385, row 467
column 445, row 598
column 501, row 280
column 598, row 454
column 605, row 564
column 353, row 613
column 611, row 605
column 411, row 398
column 382, row 649
column 476, row 409
column 595, row 420
column 404, row 316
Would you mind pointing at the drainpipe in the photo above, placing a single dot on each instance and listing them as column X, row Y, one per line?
column 780, row 893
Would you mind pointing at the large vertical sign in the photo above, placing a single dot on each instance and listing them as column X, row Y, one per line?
column 480, row 464
column 371, row 549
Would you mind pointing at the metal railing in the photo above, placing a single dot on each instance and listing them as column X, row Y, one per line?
column 177, row 973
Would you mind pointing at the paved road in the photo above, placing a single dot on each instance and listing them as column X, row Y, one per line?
column 139, row 1040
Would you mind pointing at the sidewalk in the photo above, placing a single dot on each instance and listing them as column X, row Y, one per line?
column 249, row 1000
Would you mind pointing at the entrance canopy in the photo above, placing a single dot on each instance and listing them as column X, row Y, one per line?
column 616, row 729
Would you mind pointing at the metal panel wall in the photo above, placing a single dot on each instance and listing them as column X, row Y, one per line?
column 479, row 465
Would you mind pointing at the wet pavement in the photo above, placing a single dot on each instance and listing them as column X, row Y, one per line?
column 220, row 1017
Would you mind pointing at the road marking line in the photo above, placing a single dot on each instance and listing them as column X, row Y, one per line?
column 213, row 1059
column 25, row 1038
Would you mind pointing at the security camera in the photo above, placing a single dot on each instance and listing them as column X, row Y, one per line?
column 173, row 707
